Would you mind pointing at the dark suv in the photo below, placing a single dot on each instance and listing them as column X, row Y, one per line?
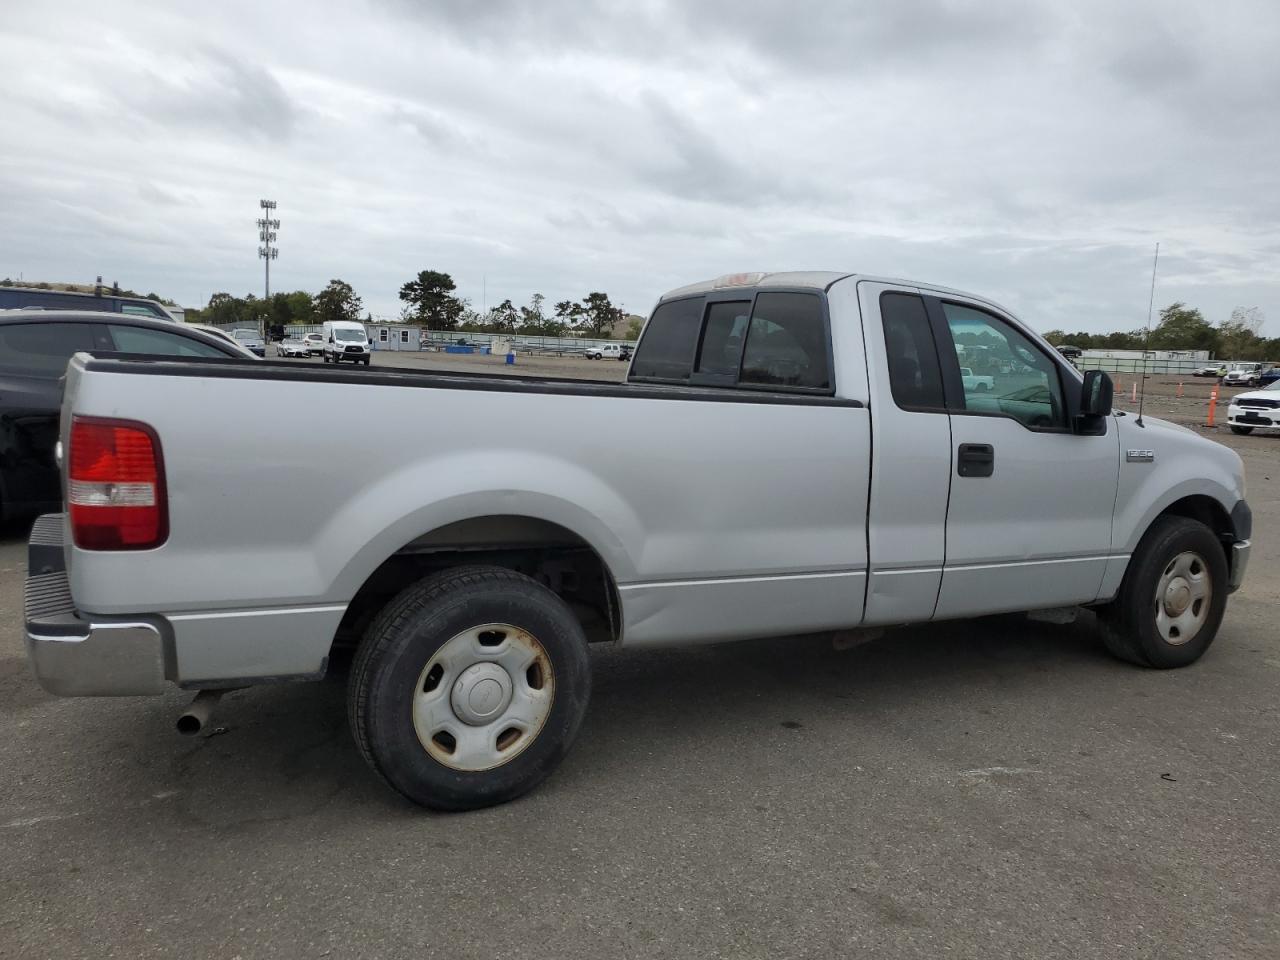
column 35, row 346
column 29, row 298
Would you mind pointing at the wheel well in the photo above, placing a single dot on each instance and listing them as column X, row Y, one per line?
column 1209, row 512
column 553, row 555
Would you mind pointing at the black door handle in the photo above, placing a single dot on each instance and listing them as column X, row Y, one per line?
column 975, row 460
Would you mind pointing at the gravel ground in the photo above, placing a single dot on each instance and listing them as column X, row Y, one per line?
column 998, row 788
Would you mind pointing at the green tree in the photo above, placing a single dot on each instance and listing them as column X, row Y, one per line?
column 532, row 319
column 1238, row 337
column 1183, row 328
column 598, row 315
column 430, row 295
column 567, row 313
column 634, row 327
column 504, row 318
column 337, row 301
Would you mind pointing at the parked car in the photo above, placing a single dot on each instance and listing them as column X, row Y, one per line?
column 1268, row 376
column 251, row 341
column 217, row 332
column 1213, row 370
column 472, row 566
column 34, row 349
column 315, row 344
column 609, row 351
column 978, row 384
column 293, row 347
column 28, row 298
column 1244, row 375
column 1255, row 409
column 345, row 340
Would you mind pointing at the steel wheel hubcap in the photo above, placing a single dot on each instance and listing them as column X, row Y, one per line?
column 483, row 697
column 1182, row 598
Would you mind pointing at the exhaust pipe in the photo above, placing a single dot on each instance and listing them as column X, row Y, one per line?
column 196, row 717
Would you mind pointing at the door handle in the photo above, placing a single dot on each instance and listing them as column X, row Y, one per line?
column 975, row 460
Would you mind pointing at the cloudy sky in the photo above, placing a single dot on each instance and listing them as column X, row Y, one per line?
column 1033, row 152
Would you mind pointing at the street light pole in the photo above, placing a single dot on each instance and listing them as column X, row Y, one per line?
column 267, row 227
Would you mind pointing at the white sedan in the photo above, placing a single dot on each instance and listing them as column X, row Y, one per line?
column 1257, row 408
column 293, row 347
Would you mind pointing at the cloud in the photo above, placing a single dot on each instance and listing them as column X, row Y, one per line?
column 1030, row 152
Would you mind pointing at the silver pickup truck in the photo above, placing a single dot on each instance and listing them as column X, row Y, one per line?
column 799, row 453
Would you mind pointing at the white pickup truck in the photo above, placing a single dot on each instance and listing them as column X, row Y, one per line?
column 975, row 383
column 803, row 455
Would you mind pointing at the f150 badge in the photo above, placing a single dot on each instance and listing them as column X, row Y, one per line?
column 1140, row 456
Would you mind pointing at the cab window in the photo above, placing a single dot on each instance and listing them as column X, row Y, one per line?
column 666, row 349
column 915, row 378
column 722, row 337
column 787, row 343
column 1002, row 371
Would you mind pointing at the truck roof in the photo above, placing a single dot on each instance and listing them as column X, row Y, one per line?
column 817, row 280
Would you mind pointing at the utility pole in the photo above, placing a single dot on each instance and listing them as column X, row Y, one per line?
column 267, row 227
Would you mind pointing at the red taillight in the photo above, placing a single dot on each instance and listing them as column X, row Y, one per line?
column 115, row 485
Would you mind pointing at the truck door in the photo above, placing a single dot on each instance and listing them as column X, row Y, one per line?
column 1029, row 519
column 912, row 448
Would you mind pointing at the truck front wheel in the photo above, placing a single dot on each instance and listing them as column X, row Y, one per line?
column 469, row 688
column 1172, row 599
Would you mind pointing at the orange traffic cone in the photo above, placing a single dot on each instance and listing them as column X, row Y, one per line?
column 1213, row 403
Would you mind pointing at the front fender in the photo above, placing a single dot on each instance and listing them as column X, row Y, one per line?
column 1185, row 465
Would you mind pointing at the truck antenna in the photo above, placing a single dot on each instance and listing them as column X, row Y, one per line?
column 1146, row 342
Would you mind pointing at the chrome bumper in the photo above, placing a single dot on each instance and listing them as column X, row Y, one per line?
column 1239, row 563
column 74, row 656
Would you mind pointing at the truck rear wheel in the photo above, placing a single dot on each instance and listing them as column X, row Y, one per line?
column 1172, row 599
column 469, row 688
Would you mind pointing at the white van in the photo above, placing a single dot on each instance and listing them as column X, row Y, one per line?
column 345, row 340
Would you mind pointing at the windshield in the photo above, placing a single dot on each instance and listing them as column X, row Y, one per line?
column 1274, row 385
column 354, row 335
column 245, row 335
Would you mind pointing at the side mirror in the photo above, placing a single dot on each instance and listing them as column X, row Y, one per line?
column 1095, row 395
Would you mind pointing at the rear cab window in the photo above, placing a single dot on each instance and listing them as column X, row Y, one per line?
column 772, row 340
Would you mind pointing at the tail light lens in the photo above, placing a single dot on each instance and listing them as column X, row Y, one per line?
column 115, row 485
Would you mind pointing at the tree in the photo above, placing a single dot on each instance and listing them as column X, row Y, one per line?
column 1238, row 337
column 634, row 327
column 296, row 308
column 503, row 318
column 567, row 313
column 598, row 315
column 430, row 295
column 337, row 301
column 532, row 319
column 1183, row 328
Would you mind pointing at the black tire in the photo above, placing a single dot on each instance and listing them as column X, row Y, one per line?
column 1243, row 430
column 325, row 357
column 401, row 642
column 366, row 361
column 1128, row 624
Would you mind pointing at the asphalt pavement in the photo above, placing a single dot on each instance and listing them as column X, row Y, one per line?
column 996, row 788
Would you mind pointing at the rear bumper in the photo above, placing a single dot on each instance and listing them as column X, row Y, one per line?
column 74, row 656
